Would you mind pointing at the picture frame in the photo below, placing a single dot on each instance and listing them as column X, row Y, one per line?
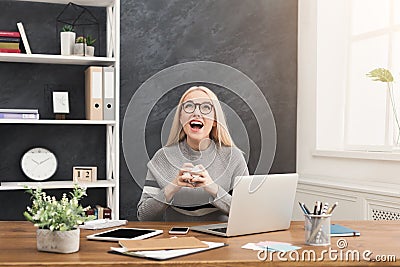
column 60, row 103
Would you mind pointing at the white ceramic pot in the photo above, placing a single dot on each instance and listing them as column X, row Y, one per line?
column 89, row 51
column 67, row 43
column 79, row 49
column 58, row 241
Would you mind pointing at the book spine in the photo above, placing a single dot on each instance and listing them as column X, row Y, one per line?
column 24, row 38
column 9, row 34
column 9, row 45
column 18, row 110
column 4, row 50
column 19, row 116
column 10, row 39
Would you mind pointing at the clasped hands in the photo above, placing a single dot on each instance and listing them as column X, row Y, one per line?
column 196, row 176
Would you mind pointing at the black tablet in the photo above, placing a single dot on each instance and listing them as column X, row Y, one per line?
column 125, row 234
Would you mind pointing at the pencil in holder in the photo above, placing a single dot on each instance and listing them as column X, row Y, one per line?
column 317, row 229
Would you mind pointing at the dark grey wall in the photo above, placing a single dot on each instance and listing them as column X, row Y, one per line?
column 257, row 37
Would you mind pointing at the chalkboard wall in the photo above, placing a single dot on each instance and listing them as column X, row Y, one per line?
column 257, row 37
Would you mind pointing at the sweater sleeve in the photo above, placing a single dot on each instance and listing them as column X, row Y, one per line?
column 223, row 199
column 152, row 204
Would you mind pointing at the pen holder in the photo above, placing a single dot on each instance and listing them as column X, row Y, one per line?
column 317, row 230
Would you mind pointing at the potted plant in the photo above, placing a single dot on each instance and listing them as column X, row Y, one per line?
column 79, row 47
column 89, row 45
column 57, row 220
column 67, row 39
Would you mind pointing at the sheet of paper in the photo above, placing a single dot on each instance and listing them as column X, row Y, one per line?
column 167, row 254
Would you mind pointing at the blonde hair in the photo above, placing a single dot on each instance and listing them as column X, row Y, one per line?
column 219, row 133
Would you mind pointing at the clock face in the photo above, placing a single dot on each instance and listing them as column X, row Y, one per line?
column 39, row 164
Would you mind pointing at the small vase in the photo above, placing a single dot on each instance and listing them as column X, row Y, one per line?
column 67, row 43
column 58, row 241
column 79, row 49
column 89, row 51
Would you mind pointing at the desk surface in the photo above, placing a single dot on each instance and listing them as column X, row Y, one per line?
column 18, row 247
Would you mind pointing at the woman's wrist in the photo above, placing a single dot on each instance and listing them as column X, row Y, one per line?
column 169, row 191
column 212, row 189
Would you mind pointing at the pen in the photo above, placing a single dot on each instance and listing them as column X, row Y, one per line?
column 330, row 210
column 316, row 208
column 305, row 207
column 324, row 209
column 320, row 207
column 302, row 208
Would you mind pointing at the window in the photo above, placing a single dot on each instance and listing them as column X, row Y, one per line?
column 355, row 37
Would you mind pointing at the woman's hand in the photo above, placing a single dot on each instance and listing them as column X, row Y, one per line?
column 201, row 178
column 183, row 179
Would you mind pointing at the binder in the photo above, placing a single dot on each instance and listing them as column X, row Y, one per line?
column 108, row 93
column 94, row 93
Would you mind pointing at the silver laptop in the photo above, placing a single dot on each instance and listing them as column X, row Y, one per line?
column 260, row 203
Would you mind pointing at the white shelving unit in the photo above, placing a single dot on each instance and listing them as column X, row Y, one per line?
column 111, row 181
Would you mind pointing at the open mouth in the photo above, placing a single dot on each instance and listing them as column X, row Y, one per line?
column 196, row 125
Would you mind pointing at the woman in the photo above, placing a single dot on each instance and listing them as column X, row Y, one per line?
column 189, row 179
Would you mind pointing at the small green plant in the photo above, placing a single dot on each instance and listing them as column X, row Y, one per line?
column 57, row 215
column 90, row 40
column 80, row 40
column 68, row 28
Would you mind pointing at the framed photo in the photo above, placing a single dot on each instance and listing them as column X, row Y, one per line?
column 60, row 102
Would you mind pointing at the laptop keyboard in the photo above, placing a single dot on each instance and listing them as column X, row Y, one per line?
column 221, row 230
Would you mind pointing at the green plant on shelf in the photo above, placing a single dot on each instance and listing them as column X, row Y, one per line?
column 80, row 40
column 67, row 28
column 90, row 40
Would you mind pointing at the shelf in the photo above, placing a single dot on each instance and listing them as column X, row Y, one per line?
column 55, row 185
column 98, row 3
column 73, row 122
column 56, row 59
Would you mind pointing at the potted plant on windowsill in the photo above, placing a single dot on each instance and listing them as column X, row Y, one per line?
column 384, row 75
column 57, row 220
column 67, row 39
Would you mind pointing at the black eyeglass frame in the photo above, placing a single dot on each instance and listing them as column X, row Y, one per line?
column 197, row 105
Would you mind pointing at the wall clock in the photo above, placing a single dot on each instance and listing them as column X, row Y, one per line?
column 39, row 164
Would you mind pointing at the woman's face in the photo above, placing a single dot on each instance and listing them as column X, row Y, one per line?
column 197, row 116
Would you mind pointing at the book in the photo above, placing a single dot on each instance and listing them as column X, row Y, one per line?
column 24, row 38
column 162, row 243
column 24, row 116
column 4, row 50
column 9, row 34
column 102, row 223
column 340, row 230
column 8, row 45
column 10, row 39
column 18, row 110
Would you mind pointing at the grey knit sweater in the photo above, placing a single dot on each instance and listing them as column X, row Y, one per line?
column 190, row 204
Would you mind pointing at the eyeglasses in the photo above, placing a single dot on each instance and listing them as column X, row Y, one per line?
column 205, row 107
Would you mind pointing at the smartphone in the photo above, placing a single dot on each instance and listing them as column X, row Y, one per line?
column 179, row 230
